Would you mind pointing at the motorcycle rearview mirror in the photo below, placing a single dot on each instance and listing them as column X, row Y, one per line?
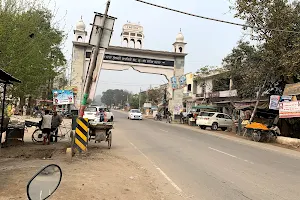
column 44, row 183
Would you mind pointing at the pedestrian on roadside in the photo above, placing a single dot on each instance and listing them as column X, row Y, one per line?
column 56, row 121
column 46, row 125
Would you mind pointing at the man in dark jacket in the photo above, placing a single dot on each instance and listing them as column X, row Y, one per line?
column 56, row 121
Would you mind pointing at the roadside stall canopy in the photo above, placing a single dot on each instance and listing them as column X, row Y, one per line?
column 5, row 79
column 249, row 105
column 205, row 107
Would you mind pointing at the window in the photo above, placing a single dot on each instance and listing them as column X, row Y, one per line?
column 125, row 33
column 132, row 34
column 227, row 117
column 206, row 114
column 79, row 39
column 220, row 116
column 135, row 111
column 88, row 54
column 189, row 87
column 139, row 35
column 180, row 49
column 91, row 109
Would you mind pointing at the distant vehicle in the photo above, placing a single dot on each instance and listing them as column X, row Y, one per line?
column 135, row 114
column 93, row 112
column 214, row 120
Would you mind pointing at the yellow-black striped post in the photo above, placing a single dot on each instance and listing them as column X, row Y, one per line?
column 81, row 134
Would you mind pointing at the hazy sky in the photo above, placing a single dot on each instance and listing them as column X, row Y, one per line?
column 208, row 42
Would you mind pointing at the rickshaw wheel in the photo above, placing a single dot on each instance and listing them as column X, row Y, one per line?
column 270, row 137
column 36, row 136
column 256, row 135
column 109, row 139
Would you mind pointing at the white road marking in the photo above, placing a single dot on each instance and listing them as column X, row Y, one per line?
column 222, row 152
column 160, row 170
column 249, row 162
column 233, row 156
column 163, row 130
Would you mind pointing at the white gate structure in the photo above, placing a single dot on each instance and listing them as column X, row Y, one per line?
column 130, row 55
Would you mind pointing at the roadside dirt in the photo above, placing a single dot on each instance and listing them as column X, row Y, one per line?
column 97, row 175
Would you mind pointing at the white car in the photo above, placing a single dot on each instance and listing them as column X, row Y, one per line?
column 93, row 113
column 135, row 114
column 214, row 120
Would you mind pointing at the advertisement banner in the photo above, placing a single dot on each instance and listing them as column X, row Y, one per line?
column 289, row 109
column 285, row 98
column 62, row 97
column 274, row 102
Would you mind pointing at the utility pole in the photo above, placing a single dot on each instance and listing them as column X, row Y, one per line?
column 92, row 68
column 140, row 98
column 165, row 101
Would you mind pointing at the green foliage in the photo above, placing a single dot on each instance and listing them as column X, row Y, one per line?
column 116, row 97
column 134, row 101
column 29, row 45
column 246, row 68
column 276, row 56
column 155, row 96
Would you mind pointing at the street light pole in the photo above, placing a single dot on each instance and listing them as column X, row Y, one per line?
column 140, row 99
column 89, row 77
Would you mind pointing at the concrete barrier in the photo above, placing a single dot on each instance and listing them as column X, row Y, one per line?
column 288, row 141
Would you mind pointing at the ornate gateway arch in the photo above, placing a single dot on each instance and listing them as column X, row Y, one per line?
column 130, row 55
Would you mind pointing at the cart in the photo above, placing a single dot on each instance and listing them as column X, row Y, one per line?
column 101, row 131
column 260, row 132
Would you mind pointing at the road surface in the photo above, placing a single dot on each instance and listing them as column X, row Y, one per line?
column 202, row 166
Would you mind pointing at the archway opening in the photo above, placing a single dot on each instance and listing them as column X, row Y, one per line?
column 125, row 42
column 131, row 43
column 139, row 44
column 180, row 49
column 136, row 84
column 79, row 39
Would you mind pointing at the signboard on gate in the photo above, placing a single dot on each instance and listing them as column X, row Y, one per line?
column 289, row 109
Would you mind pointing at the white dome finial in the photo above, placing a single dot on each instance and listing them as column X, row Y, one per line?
column 80, row 26
column 180, row 37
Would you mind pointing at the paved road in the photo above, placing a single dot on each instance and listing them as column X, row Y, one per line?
column 202, row 166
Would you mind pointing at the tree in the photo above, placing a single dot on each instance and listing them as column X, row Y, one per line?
column 115, row 97
column 245, row 66
column 279, row 50
column 134, row 101
column 30, row 46
column 155, row 96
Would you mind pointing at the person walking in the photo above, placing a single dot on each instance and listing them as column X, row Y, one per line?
column 56, row 121
column 46, row 126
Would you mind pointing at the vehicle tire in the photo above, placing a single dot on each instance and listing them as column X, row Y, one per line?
column 214, row 126
column 155, row 118
column 224, row 128
column 37, row 136
column 109, row 140
column 256, row 136
column 127, row 117
column 203, row 127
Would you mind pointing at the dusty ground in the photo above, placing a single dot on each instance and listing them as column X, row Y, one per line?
column 99, row 174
